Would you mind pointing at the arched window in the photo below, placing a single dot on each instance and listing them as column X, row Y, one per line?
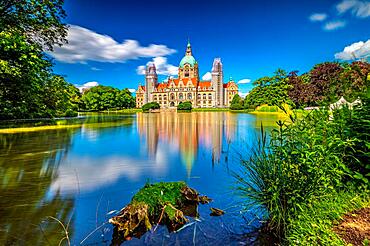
column 155, row 98
column 181, row 97
column 209, row 96
column 190, row 96
column 172, row 96
column 204, row 96
column 199, row 96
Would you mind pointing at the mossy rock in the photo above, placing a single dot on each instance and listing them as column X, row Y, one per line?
column 166, row 203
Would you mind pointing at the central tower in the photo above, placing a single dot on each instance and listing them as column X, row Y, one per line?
column 188, row 67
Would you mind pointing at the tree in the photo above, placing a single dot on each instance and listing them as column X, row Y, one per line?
column 39, row 21
column 150, row 106
column 269, row 90
column 101, row 98
column 28, row 29
column 184, row 106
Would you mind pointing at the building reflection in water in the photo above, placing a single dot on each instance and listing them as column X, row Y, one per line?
column 187, row 131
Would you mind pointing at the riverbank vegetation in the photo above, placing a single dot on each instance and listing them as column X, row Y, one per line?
column 150, row 106
column 184, row 106
column 325, row 83
column 310, row 173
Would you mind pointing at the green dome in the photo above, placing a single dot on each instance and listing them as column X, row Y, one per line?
column 188, row 59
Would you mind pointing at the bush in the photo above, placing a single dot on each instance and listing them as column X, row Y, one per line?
column 302, row 162
column 148, row 106
column 184, row 106
column 236, row 106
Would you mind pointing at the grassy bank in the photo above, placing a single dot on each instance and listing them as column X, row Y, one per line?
column 128, row 110
column 315, row 220
column 310, row 173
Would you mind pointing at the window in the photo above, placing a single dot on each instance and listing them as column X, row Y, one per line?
column 204, row 96
column 181, row 97
column 209, row 96
column 199, row 96
column 189, row 96
column 172, row 96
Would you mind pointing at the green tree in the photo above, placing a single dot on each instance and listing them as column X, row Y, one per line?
column 28, row 29
column 185, row 106
column 236, row 103
column 269, row 90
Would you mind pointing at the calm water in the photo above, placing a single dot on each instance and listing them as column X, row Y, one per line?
column 82, row 175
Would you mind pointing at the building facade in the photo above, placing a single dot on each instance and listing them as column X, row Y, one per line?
column 187, row 87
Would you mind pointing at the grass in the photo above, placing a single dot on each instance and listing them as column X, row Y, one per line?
column 128, row 110
column 313, row 224
column 159, row 194
column 210, row 109
column 36, row 128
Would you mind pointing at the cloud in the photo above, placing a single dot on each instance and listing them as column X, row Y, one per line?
column 95, row 69
column 87, row 85
column 244, row 81
column 318, row 17
column 207, row 76
column 334, row 25
column 132, row 90
column 163, row 68
column 354, row 51
column 105, row 170
column 87, row 45
column 358, row 8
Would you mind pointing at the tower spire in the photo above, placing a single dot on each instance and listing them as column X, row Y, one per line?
column 188, row 49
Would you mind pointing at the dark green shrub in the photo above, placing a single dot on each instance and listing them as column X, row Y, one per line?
column 184, row 106
column 303, row 161
column 236, row 106
column 148, row 106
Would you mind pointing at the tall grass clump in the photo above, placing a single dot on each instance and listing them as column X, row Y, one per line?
column 303, row 161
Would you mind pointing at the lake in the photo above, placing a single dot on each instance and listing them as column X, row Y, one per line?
column 85, row 173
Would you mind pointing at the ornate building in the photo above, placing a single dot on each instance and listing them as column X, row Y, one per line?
column 187, row 87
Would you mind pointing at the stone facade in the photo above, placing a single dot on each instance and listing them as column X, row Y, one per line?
column 187, row 87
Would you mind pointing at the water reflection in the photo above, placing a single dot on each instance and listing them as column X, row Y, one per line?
column 96, row 167
column 27, row 167
column 186, row 131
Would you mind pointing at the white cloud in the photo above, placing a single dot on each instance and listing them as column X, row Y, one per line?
column 358, row 8
column 318, row 17
column 356, row 50
column 244, row 81
column 87, row 45
column 207, row 76
column 132, row 90
column 87, row 85
column 95, row 69
column 75, row 175
column 163, row 68
column 334, row 25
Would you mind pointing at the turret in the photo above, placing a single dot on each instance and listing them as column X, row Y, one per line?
column 217, row 81
column 151, row 80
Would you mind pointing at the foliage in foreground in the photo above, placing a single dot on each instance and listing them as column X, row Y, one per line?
column 148, row 106
column 314, row 222
column 184, row 106
column 303, row 163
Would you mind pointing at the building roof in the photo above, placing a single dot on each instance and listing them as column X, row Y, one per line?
column 188, row 59
column 230, row 83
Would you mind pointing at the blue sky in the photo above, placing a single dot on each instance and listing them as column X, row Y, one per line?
column 111, row 39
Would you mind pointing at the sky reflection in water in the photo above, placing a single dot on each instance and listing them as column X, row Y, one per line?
column 98, row 167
